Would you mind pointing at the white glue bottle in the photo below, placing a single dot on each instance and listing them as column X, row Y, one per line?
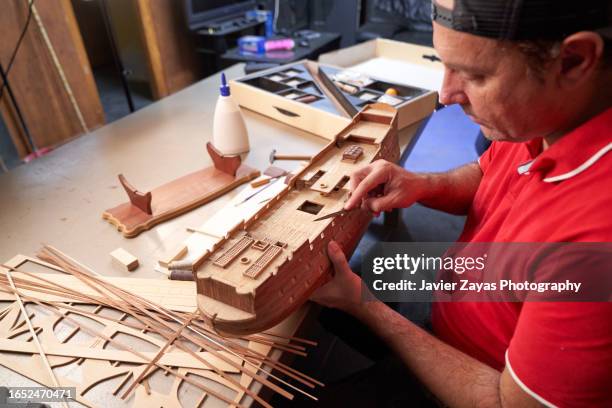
column 230, row 135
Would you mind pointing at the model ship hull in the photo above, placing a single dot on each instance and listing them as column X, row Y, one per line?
column 269, row 265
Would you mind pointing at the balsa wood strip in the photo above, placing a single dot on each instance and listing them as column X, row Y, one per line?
column 171, row 359
column 174, row 295
column 39, row 347
column 144, row 318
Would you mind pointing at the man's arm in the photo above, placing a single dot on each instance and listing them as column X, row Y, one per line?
column 455, row 378
column 452, row 191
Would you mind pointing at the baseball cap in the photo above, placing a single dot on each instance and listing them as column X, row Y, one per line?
column 524, row 19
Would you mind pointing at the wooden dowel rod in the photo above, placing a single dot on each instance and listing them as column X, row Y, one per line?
column 43, row 356
column 155, row 359
column 291, row 157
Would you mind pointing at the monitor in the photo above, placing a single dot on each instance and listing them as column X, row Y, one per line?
column 201, row 11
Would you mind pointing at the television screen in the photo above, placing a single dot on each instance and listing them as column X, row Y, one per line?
column 201, row 6
column 199, row 11
column 292, row 15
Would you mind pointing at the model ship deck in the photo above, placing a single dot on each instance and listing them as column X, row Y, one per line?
column 269, row 265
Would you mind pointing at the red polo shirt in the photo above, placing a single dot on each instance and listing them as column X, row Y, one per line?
column 559, row 353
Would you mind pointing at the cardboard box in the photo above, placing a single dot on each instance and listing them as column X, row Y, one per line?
column 414, row 71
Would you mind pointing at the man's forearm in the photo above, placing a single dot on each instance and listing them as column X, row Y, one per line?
column 452, row 191
column 455, row 378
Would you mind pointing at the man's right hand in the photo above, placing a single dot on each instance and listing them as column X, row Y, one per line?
column 401, row 187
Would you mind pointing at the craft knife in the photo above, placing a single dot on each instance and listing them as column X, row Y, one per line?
column 376, row 192
column 335, row 213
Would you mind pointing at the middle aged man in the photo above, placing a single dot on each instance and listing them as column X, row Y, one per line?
column 536, row 76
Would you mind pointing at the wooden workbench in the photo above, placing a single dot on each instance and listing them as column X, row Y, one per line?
column 58, row 199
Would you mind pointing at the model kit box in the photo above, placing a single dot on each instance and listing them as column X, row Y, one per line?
column 403, row 75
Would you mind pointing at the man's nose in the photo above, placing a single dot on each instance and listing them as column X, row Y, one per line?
column 452, row 89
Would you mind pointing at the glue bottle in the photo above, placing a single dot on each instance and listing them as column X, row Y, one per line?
column 230, row 135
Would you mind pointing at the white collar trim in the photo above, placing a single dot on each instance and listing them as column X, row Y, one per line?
column 525, row 388
column 582, row 167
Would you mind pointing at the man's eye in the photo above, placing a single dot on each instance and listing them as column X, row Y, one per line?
column 475, row 77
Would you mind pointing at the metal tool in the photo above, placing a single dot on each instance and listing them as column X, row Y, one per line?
column 376, row 192
column 337, row 93
column 274, row 156
column 272, row 181
column 331, row 91
column 336, row 214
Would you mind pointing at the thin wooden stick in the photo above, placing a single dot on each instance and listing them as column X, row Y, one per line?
column 87, row 270
column 299, row 376
column 37, row 331
column 123, row 382
column 43, row 356
column 96, row 333
column 247, row 362
column 296, row 339
column 251, row 356
column 265, row 340
column 201, row 401
column 136, row 301
column 157, row 357
column 139, row 308
column 141, row 304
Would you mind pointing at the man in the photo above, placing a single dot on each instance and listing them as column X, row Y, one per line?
column 536, row 76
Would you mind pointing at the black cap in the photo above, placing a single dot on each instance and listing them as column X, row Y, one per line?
column 526, row 19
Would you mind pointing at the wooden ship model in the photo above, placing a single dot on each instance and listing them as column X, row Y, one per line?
column 268, row 265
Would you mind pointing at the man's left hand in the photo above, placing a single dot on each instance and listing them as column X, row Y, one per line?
column 343, row 291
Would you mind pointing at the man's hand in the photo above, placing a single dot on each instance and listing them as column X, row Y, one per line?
column 344, row 290
column 430, row 359
column 401, row 187
column 452, row 191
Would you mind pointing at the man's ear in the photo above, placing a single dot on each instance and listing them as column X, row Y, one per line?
column 579, row 56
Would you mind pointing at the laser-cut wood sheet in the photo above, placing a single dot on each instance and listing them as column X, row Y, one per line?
column 100, row 346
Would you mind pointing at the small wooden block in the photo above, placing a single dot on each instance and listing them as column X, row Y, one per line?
column 260, row 182
column 352, row 154
column 174, row 254
column 275, row 172
column 124, row 259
